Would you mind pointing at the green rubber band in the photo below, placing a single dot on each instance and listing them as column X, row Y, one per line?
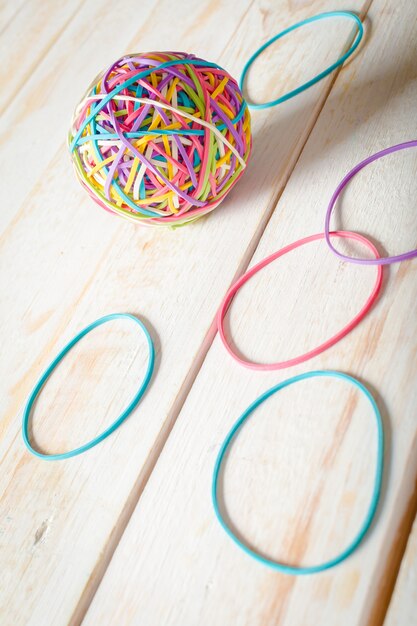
column 316, row 79
column 108, row 431
column 281, row 567
column 74, row 140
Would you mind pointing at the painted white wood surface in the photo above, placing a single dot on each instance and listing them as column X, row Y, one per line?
column 31, row 29
column 67, row 263
column 298, row 480
column 61, row 47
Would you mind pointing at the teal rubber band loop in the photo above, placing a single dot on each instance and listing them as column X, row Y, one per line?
column 161, row 131
column 314, row 569
column 94, row 137
column 141, row 133
column 108, row 431
column 119, row 190
column 316, row 79
column 136, row 77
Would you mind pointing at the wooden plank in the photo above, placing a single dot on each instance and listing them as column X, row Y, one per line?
column 72, row 42
column 298, row 480
column 8, row 13
column 28, row 35
column 68, row 263
column 402, row 609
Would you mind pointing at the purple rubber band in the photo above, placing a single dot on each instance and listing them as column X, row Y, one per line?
column 382, row 260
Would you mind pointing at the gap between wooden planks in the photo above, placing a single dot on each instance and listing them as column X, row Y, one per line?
column 402, row 609
column 181, row 568
column 85, row 301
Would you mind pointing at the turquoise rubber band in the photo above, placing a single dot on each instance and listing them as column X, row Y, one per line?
column 281, row 567
column 119, row 190
column 141, row 133
column 133, row 403
column 94, row 137
column 316, row 79
column 134, row 78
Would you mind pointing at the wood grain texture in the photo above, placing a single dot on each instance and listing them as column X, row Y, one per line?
column 9, row 12
column 32, row 30
column 68, row 263
column 58, row 66
column 297, row 481
column 402, row 608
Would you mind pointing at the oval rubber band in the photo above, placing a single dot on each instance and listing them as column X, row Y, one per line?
column 316, row 79
column 324, row 346
column 108, row 431
column 276, row 565
column 380, row 260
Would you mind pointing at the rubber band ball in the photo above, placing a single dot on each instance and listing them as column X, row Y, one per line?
column 160, row 138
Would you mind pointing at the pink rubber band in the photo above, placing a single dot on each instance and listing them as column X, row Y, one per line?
column 322, row 347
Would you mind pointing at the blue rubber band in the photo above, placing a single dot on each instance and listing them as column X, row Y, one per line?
column 316, row 79
column 94, row 137
column 290, row 569
column 136, row 77
column 133, row 403
column 99, row 159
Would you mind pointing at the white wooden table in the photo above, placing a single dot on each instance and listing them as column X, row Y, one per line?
column 125, row 534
